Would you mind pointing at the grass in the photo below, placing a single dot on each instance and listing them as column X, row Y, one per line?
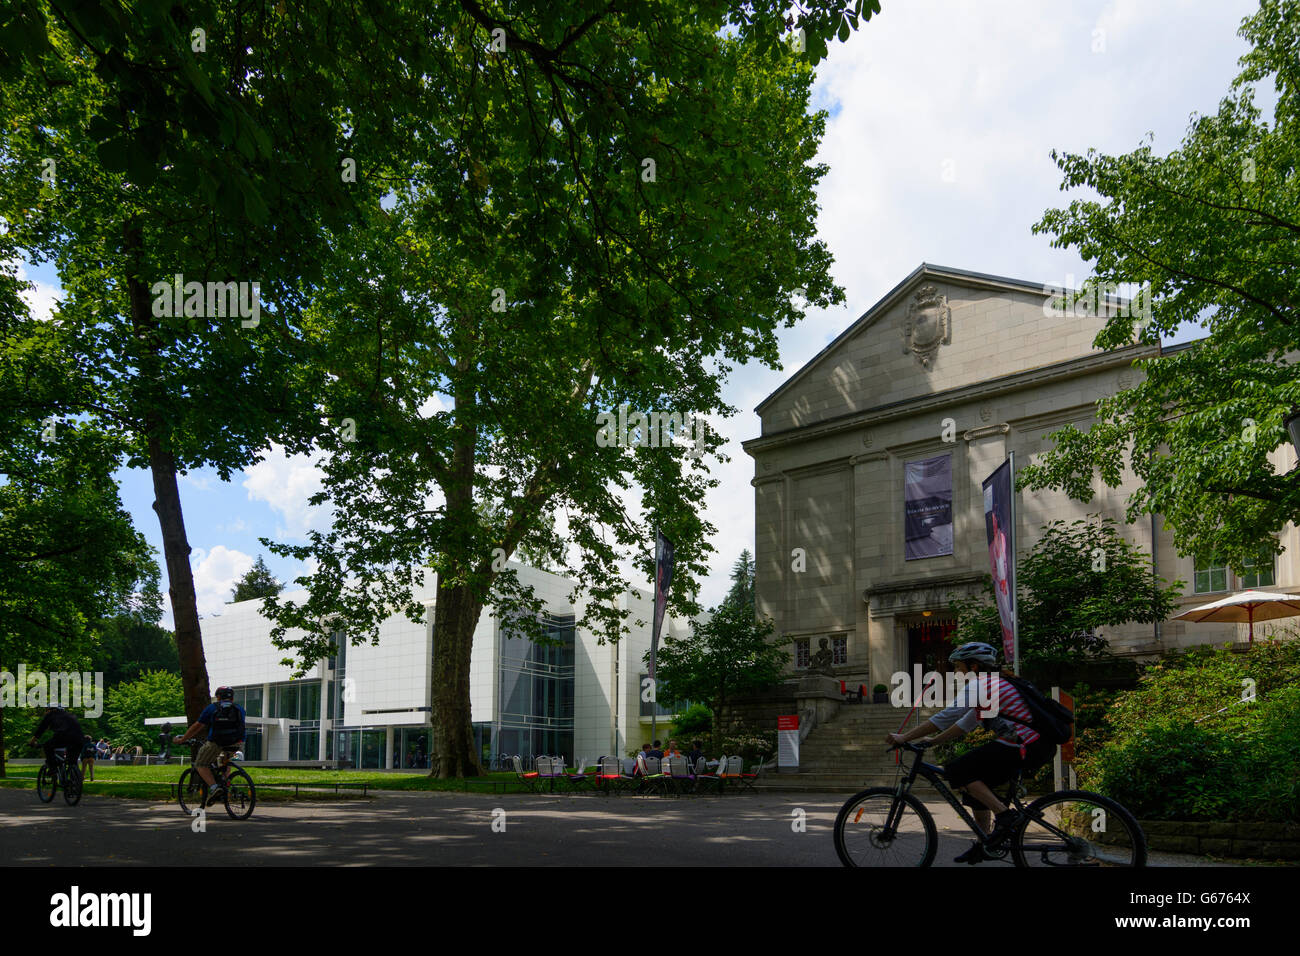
column 149, row 782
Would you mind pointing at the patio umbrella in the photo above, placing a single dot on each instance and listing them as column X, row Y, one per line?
column 1249, row 606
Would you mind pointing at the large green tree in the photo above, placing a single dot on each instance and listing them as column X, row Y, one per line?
column 147, row 140
column 729, row 654
column 609, row 208
column 1079, row 577
column 69, row 554
column 1214, row 228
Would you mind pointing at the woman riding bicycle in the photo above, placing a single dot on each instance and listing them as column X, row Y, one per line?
column 1017, row 749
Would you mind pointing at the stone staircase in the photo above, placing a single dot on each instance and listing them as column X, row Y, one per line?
column 846, row 753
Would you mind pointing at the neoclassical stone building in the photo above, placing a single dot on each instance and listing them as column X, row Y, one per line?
column 868, row 471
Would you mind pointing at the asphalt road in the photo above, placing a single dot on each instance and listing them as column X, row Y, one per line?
column 447, row 829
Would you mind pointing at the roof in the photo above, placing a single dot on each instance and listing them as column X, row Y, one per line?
column 924, row 271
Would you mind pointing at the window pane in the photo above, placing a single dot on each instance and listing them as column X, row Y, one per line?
column 802, row 655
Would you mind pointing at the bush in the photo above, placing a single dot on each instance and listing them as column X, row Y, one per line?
column 695, row 722
column 1185, row 745
column 752, row 745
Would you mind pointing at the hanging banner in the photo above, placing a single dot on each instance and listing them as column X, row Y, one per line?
column 663, row 581
column 927, row 504
column 999, row 524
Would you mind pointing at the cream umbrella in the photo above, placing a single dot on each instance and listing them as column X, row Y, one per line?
column 1248, row 606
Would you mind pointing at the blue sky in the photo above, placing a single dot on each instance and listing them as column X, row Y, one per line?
column 942, row 118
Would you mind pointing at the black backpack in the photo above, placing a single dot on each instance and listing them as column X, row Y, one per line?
column 227, row 724
column 1052, row 720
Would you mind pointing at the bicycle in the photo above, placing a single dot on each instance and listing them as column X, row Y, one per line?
column 240, row 796
column 1066, row 828
column 64, row 775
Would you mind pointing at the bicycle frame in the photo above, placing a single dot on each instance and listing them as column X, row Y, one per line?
column 933, row 774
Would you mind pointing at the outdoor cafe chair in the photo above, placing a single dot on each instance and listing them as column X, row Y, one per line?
column 730, row 771
column 609, row 776
column 550, row 769
column 679, row 775
column 652, row 778
column 702, row 776
column 529, row 780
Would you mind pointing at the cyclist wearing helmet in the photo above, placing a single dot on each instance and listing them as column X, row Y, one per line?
column 1017, row 749
column 67, row 733
column 224, row 723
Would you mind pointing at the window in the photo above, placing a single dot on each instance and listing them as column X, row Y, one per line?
column 840, row 647
column 1259, row 572
column 1211, row 575
column 802, row 653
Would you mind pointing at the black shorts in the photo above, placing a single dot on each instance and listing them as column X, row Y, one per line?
column 996, row 763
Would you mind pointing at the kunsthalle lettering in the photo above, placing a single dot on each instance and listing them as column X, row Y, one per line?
column 77, row 909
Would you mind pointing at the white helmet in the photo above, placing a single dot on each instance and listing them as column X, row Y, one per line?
column 975, row 651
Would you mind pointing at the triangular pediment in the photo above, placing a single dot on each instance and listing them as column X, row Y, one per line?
column 939, row 329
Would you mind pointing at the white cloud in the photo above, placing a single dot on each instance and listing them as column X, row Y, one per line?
column 215, row 574
column 285, row 483
column 41, row 298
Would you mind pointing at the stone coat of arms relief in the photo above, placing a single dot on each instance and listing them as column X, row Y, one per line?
column 928, row 325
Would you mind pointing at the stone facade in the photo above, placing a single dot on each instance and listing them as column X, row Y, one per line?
column 948, row 363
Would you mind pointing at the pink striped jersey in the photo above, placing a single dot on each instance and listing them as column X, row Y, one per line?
column 1009, row 719
column 1002, row 717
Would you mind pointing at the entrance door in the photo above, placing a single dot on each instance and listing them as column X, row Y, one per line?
column 929, row 642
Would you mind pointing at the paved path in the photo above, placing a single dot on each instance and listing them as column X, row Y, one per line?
column 422, row 829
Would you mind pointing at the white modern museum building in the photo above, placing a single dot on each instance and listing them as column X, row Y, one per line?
column 369, row 705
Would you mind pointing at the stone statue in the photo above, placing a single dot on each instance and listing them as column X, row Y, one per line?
column 823, row 660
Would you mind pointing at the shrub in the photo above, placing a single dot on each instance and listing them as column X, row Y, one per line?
column 1186, row 745
column 752, row 745
column 695, row 722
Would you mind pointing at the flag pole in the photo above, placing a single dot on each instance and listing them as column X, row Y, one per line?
column 1015, row 583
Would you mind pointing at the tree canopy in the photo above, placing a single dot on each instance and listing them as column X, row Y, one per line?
column 1213, row 228
column 256, row 582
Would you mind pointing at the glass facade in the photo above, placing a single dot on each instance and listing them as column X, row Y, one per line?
column 535, row 702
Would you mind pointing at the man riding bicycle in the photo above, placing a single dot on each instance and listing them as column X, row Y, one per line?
column 1017, row 749
column 67, row 733
column 224, row 722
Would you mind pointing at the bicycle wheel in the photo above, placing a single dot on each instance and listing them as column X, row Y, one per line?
column 1077, row 828
column 46, row 784
column 72, row 786
column 861, row 838
column 192, row 791
column 241, row 795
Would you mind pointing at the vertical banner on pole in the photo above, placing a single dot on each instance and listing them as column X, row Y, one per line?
column 1000, row 526
column 663, row 581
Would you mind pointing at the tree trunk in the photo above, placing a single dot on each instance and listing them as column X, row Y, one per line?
column 455, row 616
column 2, row 743
column 180, row 579
column 167, row 496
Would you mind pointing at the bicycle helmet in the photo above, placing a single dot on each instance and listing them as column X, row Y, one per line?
column 225, row 693
column 975, row 651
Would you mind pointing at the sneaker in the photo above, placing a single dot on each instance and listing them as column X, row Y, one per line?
column 972, row 856
column 215, row 795
column 1005, row 824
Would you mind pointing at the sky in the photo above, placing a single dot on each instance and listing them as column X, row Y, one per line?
column 942, row 116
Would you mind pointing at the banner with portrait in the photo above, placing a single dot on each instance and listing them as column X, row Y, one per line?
column 999, row 525
column 927, row 507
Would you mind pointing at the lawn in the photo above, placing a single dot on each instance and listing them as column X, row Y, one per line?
column 150, row 782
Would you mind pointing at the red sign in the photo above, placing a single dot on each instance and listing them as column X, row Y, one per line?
column 1067, row 748
column 788, row 723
